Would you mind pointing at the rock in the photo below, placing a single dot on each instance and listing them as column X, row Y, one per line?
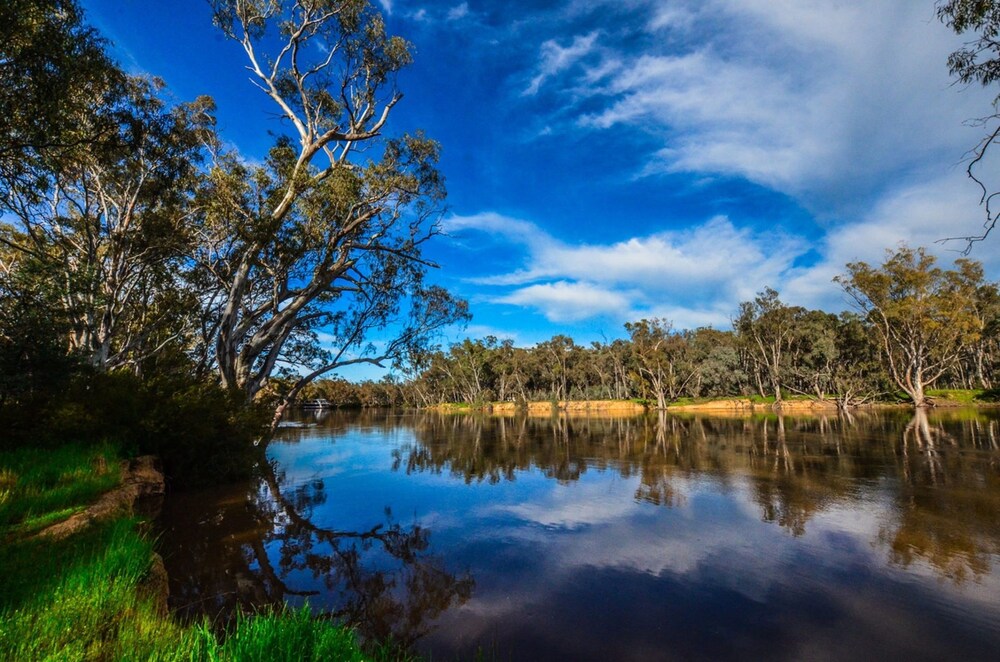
column 155, row 586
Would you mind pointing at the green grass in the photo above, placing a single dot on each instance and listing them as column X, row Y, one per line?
column 84, row 598
column 79, row 599
column 963, row 396
column 40, row 487
column 289, row 635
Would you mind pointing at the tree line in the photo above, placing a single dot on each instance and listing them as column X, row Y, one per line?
column 914, row 324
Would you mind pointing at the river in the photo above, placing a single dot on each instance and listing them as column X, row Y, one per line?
column 874, row 536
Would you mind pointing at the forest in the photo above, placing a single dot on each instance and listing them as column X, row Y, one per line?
column 914, row 325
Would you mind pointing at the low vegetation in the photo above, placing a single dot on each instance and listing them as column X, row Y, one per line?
column 39, row 487
column 89, row 597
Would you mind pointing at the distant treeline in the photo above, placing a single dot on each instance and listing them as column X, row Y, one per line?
column 914, row 325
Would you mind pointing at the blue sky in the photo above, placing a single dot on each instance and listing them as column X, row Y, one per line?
column 611, row 160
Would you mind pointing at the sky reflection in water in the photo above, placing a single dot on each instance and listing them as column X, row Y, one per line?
column 590, row 538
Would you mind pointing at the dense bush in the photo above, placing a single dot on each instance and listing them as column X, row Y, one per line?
column 201, row 432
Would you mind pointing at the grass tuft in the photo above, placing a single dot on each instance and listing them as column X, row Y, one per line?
column 39, row 487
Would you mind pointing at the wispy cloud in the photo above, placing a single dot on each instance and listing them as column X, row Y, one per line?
column 695, row 277
column 458, row 12
column 565, row 301
column 554, row 59
column 833, row 102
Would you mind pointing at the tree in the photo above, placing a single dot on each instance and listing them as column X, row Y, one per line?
column 978, row 61
column 719, row 370
column 659, row 356
column 557, row 354
column 856, row 376
column 923, row 315
column 327, row 233
column 113, row 226
column 33, row 360
column 53, row 71
column 768, row 329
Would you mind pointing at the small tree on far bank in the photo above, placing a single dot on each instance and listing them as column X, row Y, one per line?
column 922, row 315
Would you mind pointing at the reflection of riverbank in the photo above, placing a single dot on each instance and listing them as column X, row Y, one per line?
column 796, row 467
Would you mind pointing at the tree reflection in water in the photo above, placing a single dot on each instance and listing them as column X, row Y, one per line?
column 258, row 546
column 942, row 471
column 929, row 482
column 946, row 506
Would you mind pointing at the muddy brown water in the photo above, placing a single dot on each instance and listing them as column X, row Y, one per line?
column 644, row 538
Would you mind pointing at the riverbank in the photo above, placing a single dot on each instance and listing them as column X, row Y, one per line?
column 796, row 405
column 82, row 580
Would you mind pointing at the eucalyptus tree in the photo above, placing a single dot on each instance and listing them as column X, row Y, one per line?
column 325, row 236
column 857, row 375
column 556, row 355
column 719, row 370
column 661, row 358
column 923, row 316
column 111, row 228
column 815, row 353
column 53, row 71
column 978, row 61
column 981, row 355
column 769, row 332
column 471, row 368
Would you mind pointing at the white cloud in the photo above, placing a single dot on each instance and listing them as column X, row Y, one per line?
column 386, row 6
column 554, row 59
column 919, row 215
column 695, row 277
column 671, row 17
column 458, row 12
column 564, row 301
column 833, row 101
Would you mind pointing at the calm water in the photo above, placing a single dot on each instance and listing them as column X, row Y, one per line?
column 876, row 537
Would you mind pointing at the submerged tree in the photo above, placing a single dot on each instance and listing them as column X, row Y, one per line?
column 923, row 315
column 327, row 233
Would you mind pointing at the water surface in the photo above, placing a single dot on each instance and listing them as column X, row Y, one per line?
column 648, row 538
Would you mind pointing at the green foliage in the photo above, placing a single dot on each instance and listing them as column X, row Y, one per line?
column 33, row 360
column 979, row 60
column 41, row 486
column 290, row 635
column 201, row 432
column 79, row 599
column 84, row 599
column 52, row 68
column 964, row 396
column 924, row 316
